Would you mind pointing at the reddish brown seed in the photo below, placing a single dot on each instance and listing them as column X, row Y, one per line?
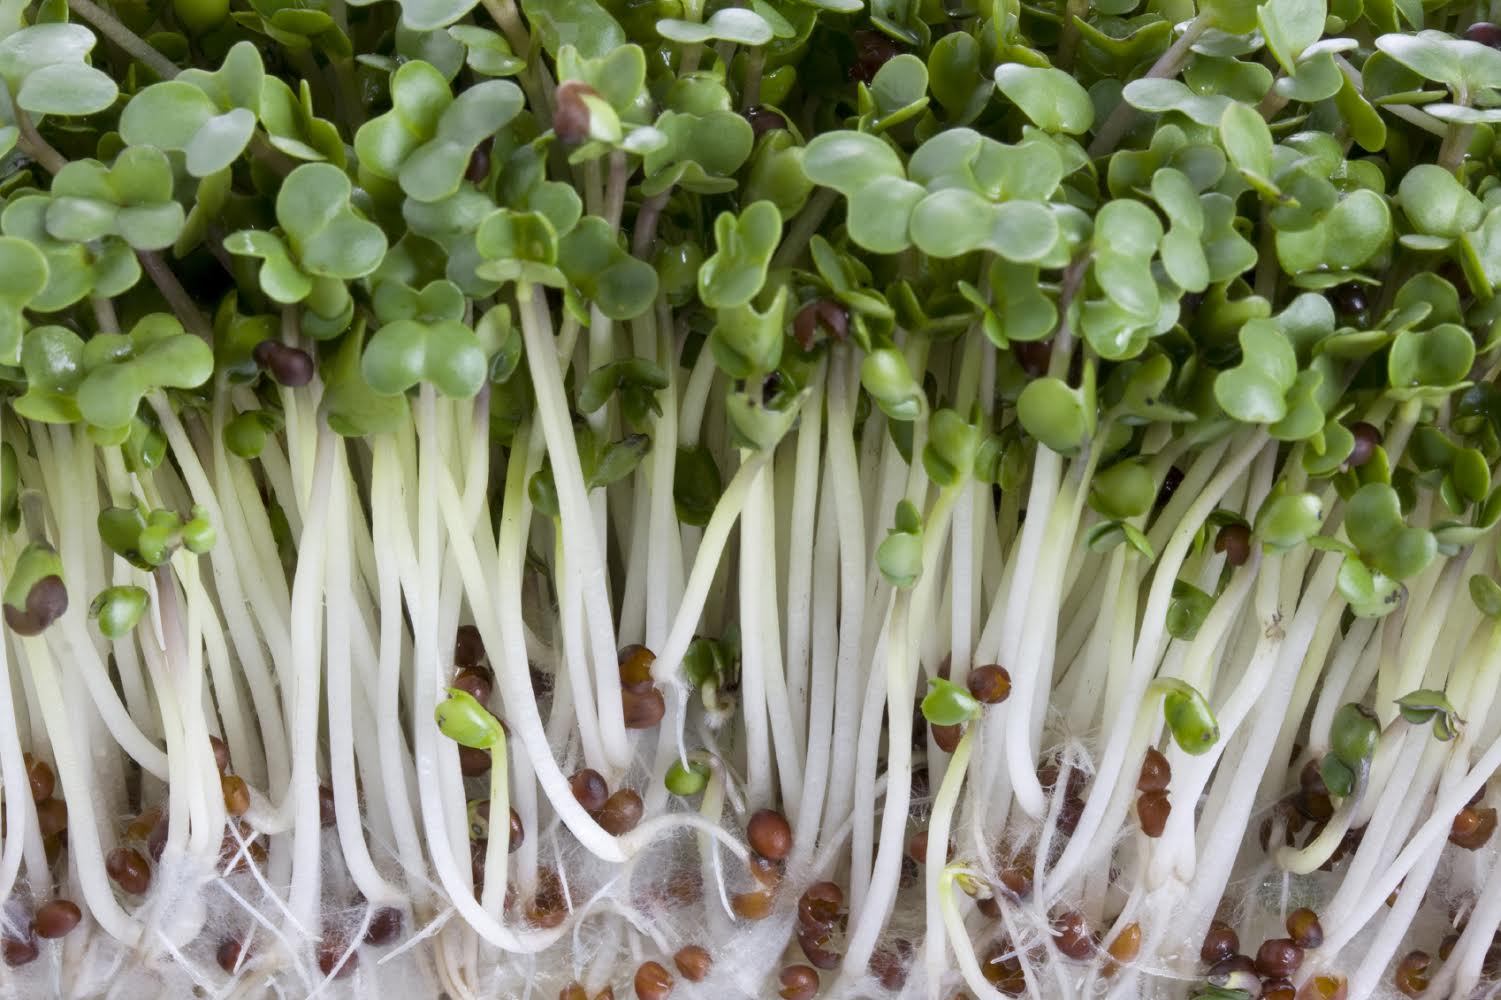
column 52, row 816
column 20, row 951
column 635, row 667
column 478, row 169
column 917, row 847
column 820, row 905
column 1126, row 945
column 468, row 647
column 820, row 315
column 1413, row 973
column 156, row 840
column 1003, row 970
column 128, row 867
column 1367, row 439
column 769, row 834
column 1220, row 971
column 385, row 926
column 289, row 366
column 1219, row 943
column 331, row 958
column 947, row 737
column 1278, row 958
column 1316, row 806
column 693, row 962
column 621, row 812
column 1446, row 946
column 1484, row 32
column 236, row 794
column 990, row 684
column 989, row 905
column 799, row 982
column 1324, row 988
column 1156, row 772
column 1310, row 779
column 228, row 955
column 1473, row 827
column 1304, row 928
column 140, row 828
column 548, row 907
column 817, row 945
column 45, row 603
column 570, row 120
column 476, row 681
column 890, row 964
column 751, row 905
column 573, row 991
column 1017, row 880
column 1152, row 809
column 1234, row 540
column 56, row 917
column 473, row 762
column 653, row 982
column 326, row 815
column 43, row 781
column 518, row 832
column 221, row 754
column 590, row 789
column 642, row 709
column 1277, row 989
column 1072, row 935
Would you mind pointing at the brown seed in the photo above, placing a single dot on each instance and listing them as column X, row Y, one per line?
column 1367, row 439
column 890, row 964
column 820, row 905
column 1127, row 944
column 1003, row 970
column 331, row 958
column 824, row 315
column 635, row 667
column 989, row 905
column 156, row 840
column 769, row 834
column 1473, row 827
column 1324, row 988
column 799, row 982
column 221, row 754
column 385, row 925
column 1017, row 880
column 573, row 991
column 1277, row 989
column 473, row 762
column 570, row 121
column 653, row 982
column 228, row 955
column 751, row 905
column 990, row 684
column 1316, row 806
column 590, row 789
column 1219, row 943
column 1234, row 540
column 1156, row 772
column 478, row 169
column 917, row 847
column 128, row 867
column 548, row 908
column 56, row 918
column 1446, row 946
column 475, row 681
column 1310, row 779
column 518, row 832
column 20, row 951
column 140, row 828
column 817, row 945
column 621, row 812
column 289, row 366
column 1235, row 964
column 1152, row 809
column 1278, row 958
column 763, row 120
column 45, row 603
column 468, row 647
column 947, row 737
column 1412, row 973
column 694, row 962
column 1304, row 928
column 1072, row 935
column 326, row 814
column 52, row 816
column 43, row 780
column 642, row 709
column 767, row 873
column 236, row 794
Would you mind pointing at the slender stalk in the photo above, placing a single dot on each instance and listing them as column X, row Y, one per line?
column 133, row 45
column 1119, row 122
